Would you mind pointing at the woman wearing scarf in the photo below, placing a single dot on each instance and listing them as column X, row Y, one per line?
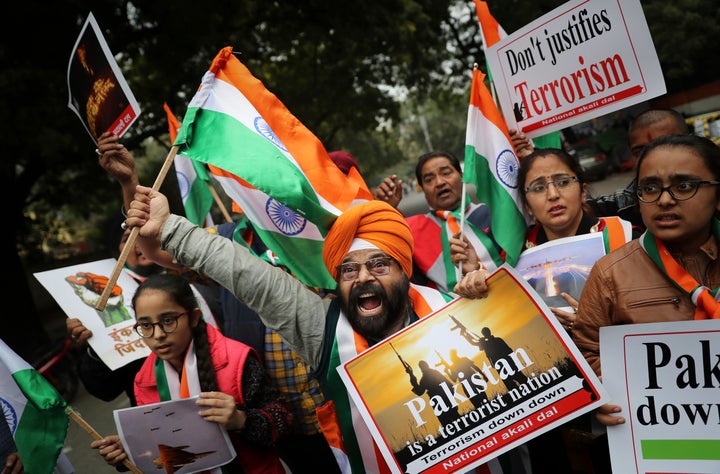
column 554, row 192
column 672, row 272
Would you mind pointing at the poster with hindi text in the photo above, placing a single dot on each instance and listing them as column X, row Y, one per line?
column 582, row 60
column 471, row 381
column 98, row 92
column 666, row 379
column 77, row 289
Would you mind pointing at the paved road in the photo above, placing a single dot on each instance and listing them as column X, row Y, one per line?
column 99, row 414
column 611, row 183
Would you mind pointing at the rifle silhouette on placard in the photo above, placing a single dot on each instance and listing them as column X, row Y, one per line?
column 469, row 336
column 443, row 362
column 408, row 369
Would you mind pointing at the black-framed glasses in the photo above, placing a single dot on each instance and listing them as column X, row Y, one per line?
column 680, row 191
column 377, row 266
column 560, row 183
column 168, row 323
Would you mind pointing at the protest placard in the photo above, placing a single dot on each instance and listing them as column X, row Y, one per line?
column 584, row 59
column 173, row 437
column 666, row 379
column 77, row 288
column 99, row 94
column 561, row 266
column 471, row 381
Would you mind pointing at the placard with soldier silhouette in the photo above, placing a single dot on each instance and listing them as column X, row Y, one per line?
column 471, row 381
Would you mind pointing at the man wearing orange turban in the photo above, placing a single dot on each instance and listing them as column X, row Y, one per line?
column 368, row 251
column 376, row 223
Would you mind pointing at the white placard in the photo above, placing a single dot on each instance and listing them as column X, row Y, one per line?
column 584, row 59
column 666, row 379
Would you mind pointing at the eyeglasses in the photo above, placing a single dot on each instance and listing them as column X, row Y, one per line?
column 560, row 183
column 168, row 324
column 680, row 191
column 377, row 266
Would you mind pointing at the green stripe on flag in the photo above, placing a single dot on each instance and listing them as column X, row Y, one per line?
column 701, row 449
column 42, row 427
column 313, row 272
column 551, row 140
column 222, row 141
column 199, row 201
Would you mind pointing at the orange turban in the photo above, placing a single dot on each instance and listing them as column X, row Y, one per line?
column 376, row 222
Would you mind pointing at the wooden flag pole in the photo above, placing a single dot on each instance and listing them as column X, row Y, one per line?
column 130, row 244
column 96, row 436
column 219, row 202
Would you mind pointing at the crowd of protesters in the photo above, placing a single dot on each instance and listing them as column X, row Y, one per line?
column 391, row 271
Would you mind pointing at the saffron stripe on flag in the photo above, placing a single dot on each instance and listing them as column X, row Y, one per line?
column 491, row 165
column 236, row 125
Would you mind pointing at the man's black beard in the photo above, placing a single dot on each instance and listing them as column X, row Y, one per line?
column 395, row 307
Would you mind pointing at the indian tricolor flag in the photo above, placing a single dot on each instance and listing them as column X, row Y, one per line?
column 270, row 164
column 490, row 29
column 35, row 412
column 492, row 32
column 193, row 181
column 491, row 165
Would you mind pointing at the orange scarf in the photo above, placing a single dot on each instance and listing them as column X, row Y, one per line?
column 704, row 299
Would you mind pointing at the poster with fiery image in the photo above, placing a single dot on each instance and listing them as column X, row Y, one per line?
column 99, row 94
column 77, row 289
column 471, row 381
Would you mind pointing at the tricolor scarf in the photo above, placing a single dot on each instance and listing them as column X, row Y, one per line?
column 172, row 386
column 350, row 433
column 704, row 299
column 433, row 256
column 616, row 233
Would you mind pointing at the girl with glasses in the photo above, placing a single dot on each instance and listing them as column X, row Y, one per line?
column 553, row 191
column 191, row 358
column 651, row 278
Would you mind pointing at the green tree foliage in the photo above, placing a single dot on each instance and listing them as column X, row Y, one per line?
column 683, row 32
column 331, row 63
column 325, row 60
